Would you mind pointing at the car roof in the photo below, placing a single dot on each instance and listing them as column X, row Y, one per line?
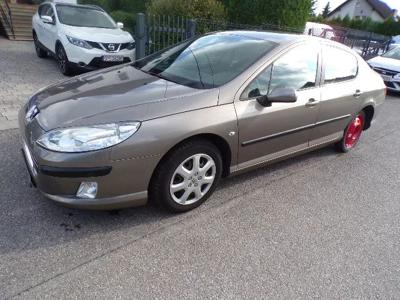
column 283, row 38
column 89, row 6
column 278, row 38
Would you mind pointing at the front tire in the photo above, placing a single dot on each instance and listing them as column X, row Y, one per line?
column 352, row 133
column 187, row 177
column 63, row 63
column 39, row 51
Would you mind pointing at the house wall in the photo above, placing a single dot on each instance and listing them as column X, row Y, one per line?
column 357, row 9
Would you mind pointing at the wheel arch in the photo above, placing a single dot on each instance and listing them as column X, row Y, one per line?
column 369, row 111
column 218, row 141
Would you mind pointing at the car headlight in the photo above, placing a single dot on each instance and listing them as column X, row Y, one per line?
column 131, row 46
column 79, row 42
column 88, row 138
column 397, row 77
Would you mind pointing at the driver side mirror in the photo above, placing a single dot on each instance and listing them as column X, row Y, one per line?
column 120, row 25
column 47, row 20
column 279, row 95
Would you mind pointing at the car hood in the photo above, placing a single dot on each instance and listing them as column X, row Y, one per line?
column 385, row 63
column 121, row 93
column 100, row 35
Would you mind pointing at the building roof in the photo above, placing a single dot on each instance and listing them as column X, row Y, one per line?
column 380, row 7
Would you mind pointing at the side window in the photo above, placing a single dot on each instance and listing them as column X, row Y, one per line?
column 42, row 9
column 340, row 65
column 297, row 69
column 259, row 86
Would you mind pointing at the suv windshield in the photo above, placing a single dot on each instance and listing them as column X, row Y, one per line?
column 206, row 62
column 395, row 53
column 84, row 17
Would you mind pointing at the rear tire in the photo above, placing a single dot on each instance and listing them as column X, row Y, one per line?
column 187, row 177
column 39, row 51
column 64, row 64
column 352, row 133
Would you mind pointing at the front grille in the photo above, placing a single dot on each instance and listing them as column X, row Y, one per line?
column 385, row 72
column 109, row 46
column 98, row 62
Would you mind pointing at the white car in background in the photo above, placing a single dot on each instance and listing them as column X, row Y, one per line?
column 80, row 37
column 388, row 66
column 320, row 30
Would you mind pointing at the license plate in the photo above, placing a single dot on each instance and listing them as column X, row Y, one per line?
column 113, row 58
column 387, row 78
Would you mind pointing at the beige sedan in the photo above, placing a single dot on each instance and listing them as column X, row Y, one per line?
column 169, row 126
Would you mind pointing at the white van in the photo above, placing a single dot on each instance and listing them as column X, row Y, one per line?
column 320, row 30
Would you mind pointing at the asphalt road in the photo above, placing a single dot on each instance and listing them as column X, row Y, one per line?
column 323, row 225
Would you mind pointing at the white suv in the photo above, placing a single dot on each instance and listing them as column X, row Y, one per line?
column 81, row 37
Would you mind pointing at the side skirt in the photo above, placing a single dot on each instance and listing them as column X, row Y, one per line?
column 285, row 154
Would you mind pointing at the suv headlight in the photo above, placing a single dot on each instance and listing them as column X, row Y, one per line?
column 396, row 77
column 79, row 42
column 88, row 138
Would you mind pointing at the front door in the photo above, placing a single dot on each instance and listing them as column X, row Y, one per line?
column 266, row 133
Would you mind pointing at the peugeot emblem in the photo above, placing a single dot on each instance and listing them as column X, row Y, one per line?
column 111, row 47
column 32, row 113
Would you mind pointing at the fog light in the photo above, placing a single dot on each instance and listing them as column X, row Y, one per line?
column 87, row 190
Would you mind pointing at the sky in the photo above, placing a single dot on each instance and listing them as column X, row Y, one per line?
column 395, row 4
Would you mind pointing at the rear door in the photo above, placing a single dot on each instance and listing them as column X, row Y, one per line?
column 266, row 133
column 340, row 94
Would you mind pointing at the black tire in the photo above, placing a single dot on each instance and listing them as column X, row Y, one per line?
column 64, row 64
column 159, row 191
column 39, row 50
column 341, row 145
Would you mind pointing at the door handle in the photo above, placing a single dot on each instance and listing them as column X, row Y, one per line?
column 311, row 103
column 357, row 94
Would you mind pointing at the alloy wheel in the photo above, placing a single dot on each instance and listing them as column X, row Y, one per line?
column 354, row 131
column 62, row 59
column 192, row 179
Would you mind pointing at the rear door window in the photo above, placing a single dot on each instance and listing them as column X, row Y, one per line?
column 340, row 65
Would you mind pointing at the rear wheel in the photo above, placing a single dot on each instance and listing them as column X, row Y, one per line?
column 352, row 133
column 187, row 177
column 39, row 51
column 63, row 62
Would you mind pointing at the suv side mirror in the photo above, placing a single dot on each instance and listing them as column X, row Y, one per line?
column 280, row 95
column 47, row 19
column 120, row 25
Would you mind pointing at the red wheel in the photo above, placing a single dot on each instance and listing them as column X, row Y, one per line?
column 352, row 133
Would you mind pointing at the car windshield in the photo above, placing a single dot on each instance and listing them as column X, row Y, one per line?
column 84, row 17
column 395, row 53
column 206, row 62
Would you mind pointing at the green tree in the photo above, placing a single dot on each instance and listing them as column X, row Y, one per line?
column 288, row 13
column 313, row 8
column 204, row 9
column 327, row 10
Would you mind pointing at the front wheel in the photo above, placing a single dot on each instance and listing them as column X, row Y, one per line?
column 39, row 51
column 187, row 177
column 63, row 62
column 352, row 133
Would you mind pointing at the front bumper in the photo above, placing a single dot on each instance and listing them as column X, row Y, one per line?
column 91, row 59
column 58, row 176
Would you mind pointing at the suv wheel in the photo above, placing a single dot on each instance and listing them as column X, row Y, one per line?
column 39, row 51
column 187, row 177
column 63, row 62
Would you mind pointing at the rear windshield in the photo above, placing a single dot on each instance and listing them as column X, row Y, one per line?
column 395, row 53
column 206, row 62
column 84, row 17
